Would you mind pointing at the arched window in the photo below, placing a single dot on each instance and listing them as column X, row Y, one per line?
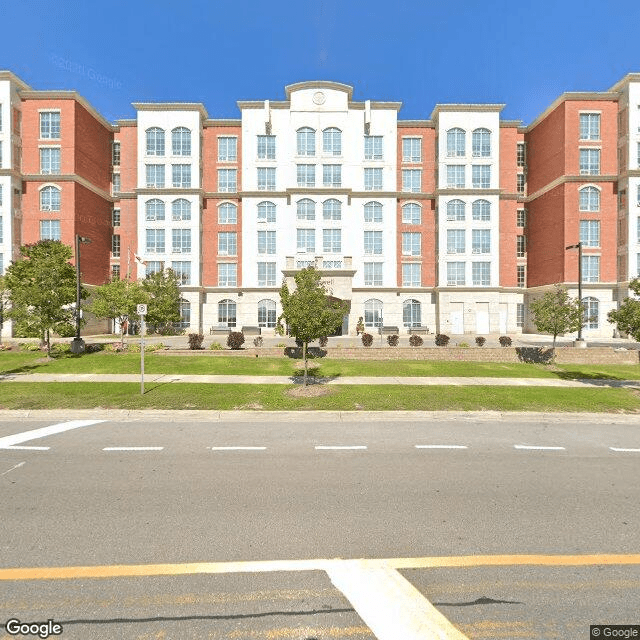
column 227, row 213
column 306, row 141
column 267, row 211
column 332, row 141
column 481, row 210
column 456, row 143
column 181, row 209
column 331, row 209
column 589, row 199
column 154, row 210
column 227, row 313
column 373, row 212
column 373, row 313
column 455, row 210
column 591, row 312
column 155, row 141
column 481, row 143
column 306, row 209
column 181, row 141
column 411, row 213
column 267, row 313
column 49, row 199
column 411, row 313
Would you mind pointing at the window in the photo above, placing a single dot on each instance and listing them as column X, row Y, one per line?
column 373, row 242
column 50, row 160
column 306, row 142
column 589, row 162
column 227, row 149
column 373, row 274
column 115, row 217
column 303, row 264
column 591, row 312
column 411, row 213
column 455, row 211
column 115, row 183
column 182, row 269
column 227, row 213
column 411, row 180
column 373, row 212
column 181, row 209
column 411, row 243
column 331, row 209
column 520, row 183
column 411, row 274
column 455, row 241
column 227, row 274
column 481, row 176
column 521, row 218
column 481, row 211
column 50, row 230
column 591, row 268
column 519, row 314
column 521, row 275
column 373, row 313
column 155, row 176
column 332, row 264
column 153, row 266
column 455, row 143
column 115, row 272
column 481, row 143
column 589, row 199
column 266, row 274
column 227, row 180
column 589, row 126
column 266, row 212
column 332, row 141
column 411, row 313
column 481, row 274
column 332, row 241
column 155, row 141
column 185, row 315
column 50, row 125
column 521, row 246
column 227, row 243
column 267, row 242
column 181, row 141
column 455, row 274
column 266, row 147
column 154, row 210
column 50, row 199
column 521, row 154
column 115, row 154
column 373, row 147
column 305, row 240
column 155, row 241
column 267, row 313
column 0, row 189
column 372, row 179
column 115, row 245
column 181, row 241
column 590, row 233
column 181, row 175
column 227, row 313
column 411, row 149
column 332, row 175
column 306, row 175
column 480, row 241
column 306, row 209
column 638, row 154
column 455, row 176
column 266, row 178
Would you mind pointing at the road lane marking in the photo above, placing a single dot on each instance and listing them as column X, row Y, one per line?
column 237, row 448
column 625, row 450
column 25, row 436
column 17, row 447
column 16, row 466
column 133, row 448
column 527, row 447
column 441, row 446
column 322, row 447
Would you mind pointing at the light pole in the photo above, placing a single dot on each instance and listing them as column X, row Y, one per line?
column 578, row 246
column 77, row 344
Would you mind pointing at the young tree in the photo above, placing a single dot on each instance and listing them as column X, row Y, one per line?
column 117, row 300
column 627, row 317
column 42, row 288
column 308, row 311
column 4, row 303
column 164, row 299
column 557, row 313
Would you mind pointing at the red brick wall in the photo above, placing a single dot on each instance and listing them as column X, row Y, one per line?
column 508, row 232
column 92, row 149
column 210, row 156
column 128, row 138
column 509, row 137
column 31, row 214
column 546, row 150
column 128, row 231
column 210, row 230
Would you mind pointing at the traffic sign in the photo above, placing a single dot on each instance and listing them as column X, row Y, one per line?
column 142, row 309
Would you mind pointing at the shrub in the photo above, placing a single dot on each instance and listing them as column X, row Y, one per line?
column 416, row 340
column 367, row 339
column 94, row 347
column 299, row 342
column 216, row 346
column 323, row 341
column 463, row 345
column 393, row 340
column 29, row 346
column 442, row 340
column 505, row 341
column 114, row 347
column 258, row 341
column 195, row 340
column 61, row 347
column 480, row 340
column 235, row 340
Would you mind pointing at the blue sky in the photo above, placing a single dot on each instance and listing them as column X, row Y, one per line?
column 420, row 53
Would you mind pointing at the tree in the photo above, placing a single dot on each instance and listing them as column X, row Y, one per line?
column 627, row 317
column 308, row 312
column 557, row 313
column 42, row 289
column 117, row 300
column 4, row 303
column 164, row 299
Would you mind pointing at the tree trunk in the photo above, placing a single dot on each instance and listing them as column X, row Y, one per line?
column 122, row 335
column 304, row 356
column 48, row 344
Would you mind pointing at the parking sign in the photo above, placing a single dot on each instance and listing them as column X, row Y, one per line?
column 142, row 309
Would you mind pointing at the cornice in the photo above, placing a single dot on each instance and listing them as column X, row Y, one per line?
column 405, row 124
column 318, row 84
column 12, row 77
column 467, row 192
column 68, row 177
column 569, row 97
column 13, row 173
column 222, row 123
column 630, row 77
column 169, row 191
column 336, row 273
column 442, row 108
column 565, row 179
column 171, row 106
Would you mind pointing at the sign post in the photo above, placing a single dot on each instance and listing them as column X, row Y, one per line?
column 142, row 311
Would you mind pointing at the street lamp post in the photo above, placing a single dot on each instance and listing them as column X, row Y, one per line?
column 578, row 246
column 77, row 344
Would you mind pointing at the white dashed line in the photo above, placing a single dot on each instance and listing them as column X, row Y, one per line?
column 25, row 448
column 329, row 447
column 527, row 447
column 625, row 450
column 4, row 473
column 133, row 448
column 237, row 448
column 441, row 446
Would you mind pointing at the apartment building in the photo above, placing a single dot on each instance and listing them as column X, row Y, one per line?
column 455, row 222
